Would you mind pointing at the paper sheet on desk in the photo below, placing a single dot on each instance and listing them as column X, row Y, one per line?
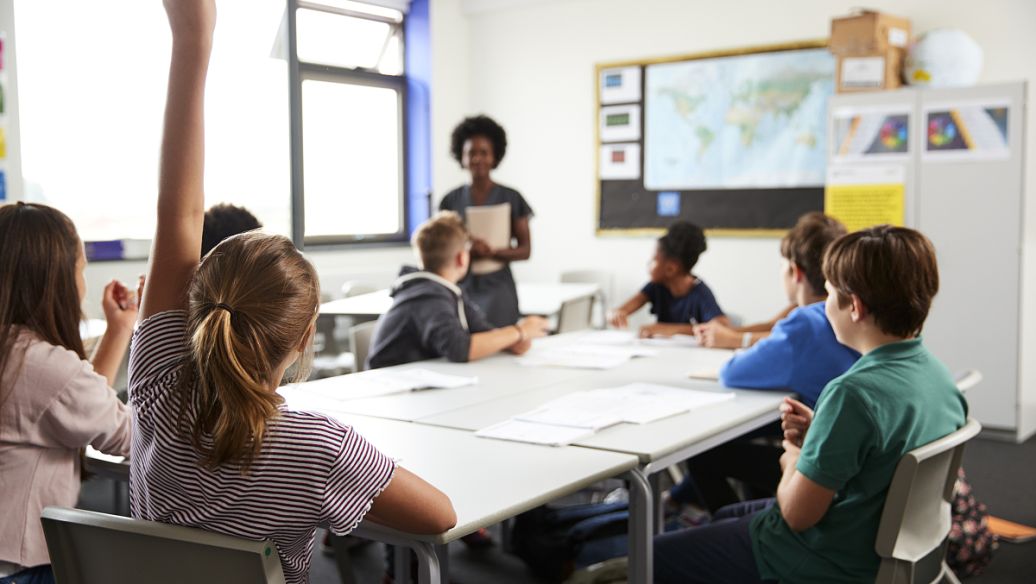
column 533, row 433
column 383, row 382
column 672, row 341
column 542, row 357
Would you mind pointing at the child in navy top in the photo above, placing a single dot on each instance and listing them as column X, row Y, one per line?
column 678, row 298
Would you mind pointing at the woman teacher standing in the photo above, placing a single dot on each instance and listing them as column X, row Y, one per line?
column 479, row 144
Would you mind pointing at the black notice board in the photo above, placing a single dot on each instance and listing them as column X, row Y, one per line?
column 627, row 206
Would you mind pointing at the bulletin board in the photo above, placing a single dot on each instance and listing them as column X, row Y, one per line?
column 734, row 141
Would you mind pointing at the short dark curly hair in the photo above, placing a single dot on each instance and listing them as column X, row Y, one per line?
column 683, row 242
column 223, row 221
column 479, row 125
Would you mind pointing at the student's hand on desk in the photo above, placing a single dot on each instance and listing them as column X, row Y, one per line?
column 617, row 318
column 533, row 327
column 120, row 305
column 715, row 335
column 659, row 329
column 795, row 420
column 521, row 347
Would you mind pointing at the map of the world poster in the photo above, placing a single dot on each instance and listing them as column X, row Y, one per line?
column 745, row 121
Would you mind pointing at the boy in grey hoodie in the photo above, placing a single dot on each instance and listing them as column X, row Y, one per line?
column 430, row 317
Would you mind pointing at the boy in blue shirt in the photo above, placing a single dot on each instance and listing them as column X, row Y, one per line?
column 838, row 462
column 801, row 354
column 677, row 297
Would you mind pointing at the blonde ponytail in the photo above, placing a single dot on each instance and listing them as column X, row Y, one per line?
column 251, row 305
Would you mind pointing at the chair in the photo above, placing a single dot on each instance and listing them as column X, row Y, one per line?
column 917, row 515
column 575, row 315
column 82, row 544
column 968, row 379
column 360, row 339
column 603, row 280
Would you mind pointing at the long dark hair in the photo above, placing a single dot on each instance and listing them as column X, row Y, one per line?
column 39, row 248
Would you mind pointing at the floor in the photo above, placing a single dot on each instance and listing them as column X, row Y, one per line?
column 1002, row 474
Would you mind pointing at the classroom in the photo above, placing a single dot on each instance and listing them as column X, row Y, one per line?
column 517, row 291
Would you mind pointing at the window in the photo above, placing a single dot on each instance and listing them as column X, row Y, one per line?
column 328, row 122
column 349, row 113
column 92, row 91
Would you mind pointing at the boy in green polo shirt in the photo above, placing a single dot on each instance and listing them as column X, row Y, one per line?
column 838, row 462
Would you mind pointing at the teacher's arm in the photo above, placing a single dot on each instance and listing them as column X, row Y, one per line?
column 519, row 252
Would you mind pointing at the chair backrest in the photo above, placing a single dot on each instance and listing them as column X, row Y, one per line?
column 917, row 513
column 354, row 288
column 93, row 548
column 360, row 339
column 968, row 379
column 575, row 315
column 603, row 279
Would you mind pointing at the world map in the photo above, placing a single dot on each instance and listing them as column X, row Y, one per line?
column 747, row 121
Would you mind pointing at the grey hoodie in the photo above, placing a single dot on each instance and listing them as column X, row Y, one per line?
column 429, row 318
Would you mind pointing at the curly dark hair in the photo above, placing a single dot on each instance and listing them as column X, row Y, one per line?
column 683, row 242
column 224, row 220
column 479, row 125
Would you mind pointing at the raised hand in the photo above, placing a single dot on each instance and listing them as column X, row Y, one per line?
column 119, row 306
column 191, row 17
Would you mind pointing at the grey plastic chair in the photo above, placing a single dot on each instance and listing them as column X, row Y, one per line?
column 82, row 544
column 916, row 520
column 575, row 315
column 603, row 280
column 360, row 339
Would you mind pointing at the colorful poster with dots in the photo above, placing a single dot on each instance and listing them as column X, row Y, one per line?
column 967, row 131
column 871, row 133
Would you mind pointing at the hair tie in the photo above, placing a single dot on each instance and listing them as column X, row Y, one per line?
column 224, row 307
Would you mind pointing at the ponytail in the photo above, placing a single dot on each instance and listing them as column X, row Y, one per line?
column 252, row 302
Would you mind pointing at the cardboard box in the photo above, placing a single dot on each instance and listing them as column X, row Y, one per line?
column 869, row 72
column 869, row 32
column 871, row 48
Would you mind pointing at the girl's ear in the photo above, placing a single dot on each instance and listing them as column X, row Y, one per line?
column 797, row 272
column 308, row 337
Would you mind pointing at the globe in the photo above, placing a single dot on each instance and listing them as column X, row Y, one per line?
column 944, row 57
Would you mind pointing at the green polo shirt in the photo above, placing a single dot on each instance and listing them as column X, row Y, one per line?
column 894, row 399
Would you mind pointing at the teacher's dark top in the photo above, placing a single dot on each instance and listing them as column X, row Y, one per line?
column 494, row 293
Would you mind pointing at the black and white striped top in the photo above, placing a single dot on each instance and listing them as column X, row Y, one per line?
column 311, row 469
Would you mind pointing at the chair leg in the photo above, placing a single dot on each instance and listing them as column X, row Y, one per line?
column 948, row 575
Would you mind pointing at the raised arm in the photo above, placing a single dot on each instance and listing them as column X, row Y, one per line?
column 181, row 199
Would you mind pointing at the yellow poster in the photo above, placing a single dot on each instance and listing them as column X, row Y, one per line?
column 864, row 196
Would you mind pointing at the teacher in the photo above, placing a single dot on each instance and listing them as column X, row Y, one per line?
column 478, row 144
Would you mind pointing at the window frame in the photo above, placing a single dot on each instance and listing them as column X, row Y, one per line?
column 299, row 71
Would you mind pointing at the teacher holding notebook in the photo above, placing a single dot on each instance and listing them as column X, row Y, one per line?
column 497, row 218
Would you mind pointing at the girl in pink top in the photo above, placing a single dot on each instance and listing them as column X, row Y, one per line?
column 53, row 403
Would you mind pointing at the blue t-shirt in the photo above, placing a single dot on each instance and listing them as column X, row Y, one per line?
column 698, row 304
column 801, row 354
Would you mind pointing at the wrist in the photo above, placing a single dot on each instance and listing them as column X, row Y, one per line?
column 746, row 340
column 521, row 333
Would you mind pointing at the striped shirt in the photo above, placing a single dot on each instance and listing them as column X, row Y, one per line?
column 310, row 470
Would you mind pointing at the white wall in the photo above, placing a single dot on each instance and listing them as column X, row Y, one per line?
column 531, row 66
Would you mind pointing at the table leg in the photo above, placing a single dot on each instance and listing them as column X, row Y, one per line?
column 641, row 528
column 656, row 500
column 427, row 564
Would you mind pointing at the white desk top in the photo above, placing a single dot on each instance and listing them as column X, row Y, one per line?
column 533, row 298
column 487, row 480
column 647, row 441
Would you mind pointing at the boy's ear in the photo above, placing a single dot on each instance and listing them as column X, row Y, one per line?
column 797, row 272
column 857, row 309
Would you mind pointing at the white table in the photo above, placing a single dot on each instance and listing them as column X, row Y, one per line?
column 507, row 388
column 533, row 298
column 487, row 480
